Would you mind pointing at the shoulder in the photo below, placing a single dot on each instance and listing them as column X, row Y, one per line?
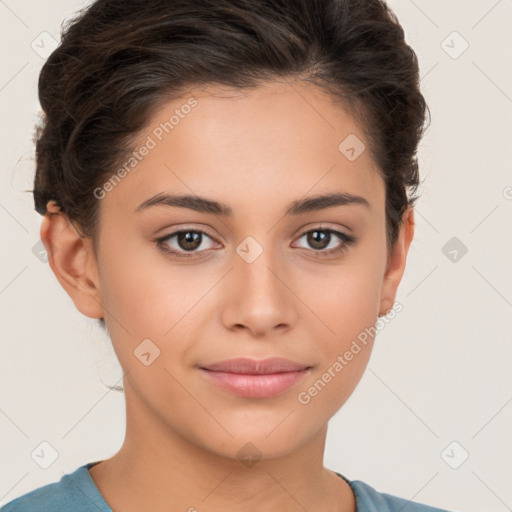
column 370, row 500
column 75, row 492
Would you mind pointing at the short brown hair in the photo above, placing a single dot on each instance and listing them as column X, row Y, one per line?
column 119, row 59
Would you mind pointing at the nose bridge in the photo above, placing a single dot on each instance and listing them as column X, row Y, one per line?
column 256, row 267
column 259, row 297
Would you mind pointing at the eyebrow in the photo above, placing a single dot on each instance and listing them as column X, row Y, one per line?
column 204, row 205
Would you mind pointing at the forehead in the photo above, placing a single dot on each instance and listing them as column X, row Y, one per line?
column 272, row 144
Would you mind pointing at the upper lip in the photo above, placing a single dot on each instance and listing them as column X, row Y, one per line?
column 256, row 367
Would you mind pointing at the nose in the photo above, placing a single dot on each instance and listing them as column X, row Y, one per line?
column 259, row 296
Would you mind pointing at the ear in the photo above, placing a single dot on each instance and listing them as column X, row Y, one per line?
column 72, row 259
column 396, row 262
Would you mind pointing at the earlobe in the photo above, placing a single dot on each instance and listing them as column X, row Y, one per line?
column 396, row 262
column 72, row 260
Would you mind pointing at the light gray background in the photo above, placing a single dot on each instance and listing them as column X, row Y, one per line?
column 440, row 371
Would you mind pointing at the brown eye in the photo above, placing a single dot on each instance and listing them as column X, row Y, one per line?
column 185, row 241
column 189, row 240
column 317, row 239
column 320, row 239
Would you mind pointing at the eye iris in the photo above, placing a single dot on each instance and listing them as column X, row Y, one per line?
column 315, row 237
column 188, row 240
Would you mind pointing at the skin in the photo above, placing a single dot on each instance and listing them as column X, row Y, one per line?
column 256, row 151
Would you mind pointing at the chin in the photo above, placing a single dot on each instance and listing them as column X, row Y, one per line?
column 254, row 441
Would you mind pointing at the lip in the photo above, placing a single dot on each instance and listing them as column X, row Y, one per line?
column 255, row 366
column 256, row 378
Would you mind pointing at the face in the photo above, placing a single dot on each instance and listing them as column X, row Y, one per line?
column 182, row 287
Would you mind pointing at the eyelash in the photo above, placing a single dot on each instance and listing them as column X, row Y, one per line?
column 346, row 239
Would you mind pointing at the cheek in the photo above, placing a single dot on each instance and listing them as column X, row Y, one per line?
column 350, row 311
column 140, row 289
column 145, row 297
column 349, row 301
column 349, row 306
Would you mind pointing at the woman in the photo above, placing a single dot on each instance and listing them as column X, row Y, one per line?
column 228, row 186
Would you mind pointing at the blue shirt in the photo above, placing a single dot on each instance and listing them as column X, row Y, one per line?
column 77, row 492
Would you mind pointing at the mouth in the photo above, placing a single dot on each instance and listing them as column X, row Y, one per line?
column 255, row 379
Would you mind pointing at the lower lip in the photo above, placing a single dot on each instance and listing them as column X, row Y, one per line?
column 255, row 386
